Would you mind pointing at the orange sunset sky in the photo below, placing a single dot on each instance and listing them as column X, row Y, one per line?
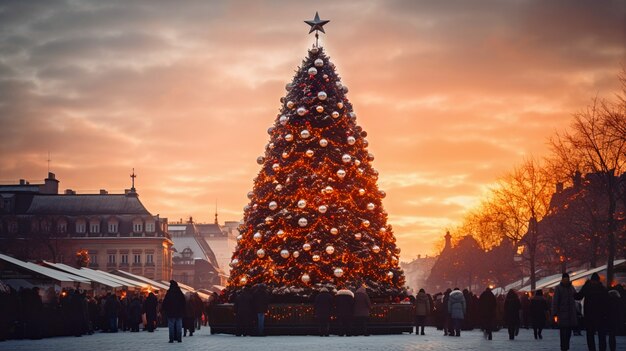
column 452, row 94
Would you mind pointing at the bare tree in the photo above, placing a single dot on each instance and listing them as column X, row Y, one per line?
column 596, row 143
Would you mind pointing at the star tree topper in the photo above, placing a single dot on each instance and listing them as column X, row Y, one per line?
column 317, row 24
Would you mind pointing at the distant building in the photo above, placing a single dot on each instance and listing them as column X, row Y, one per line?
column 417, row 271
column 114, row 231
column 194, row 262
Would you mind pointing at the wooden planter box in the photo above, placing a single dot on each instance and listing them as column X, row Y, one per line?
column 299, row 319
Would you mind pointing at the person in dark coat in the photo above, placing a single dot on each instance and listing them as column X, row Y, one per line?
column 134, row 314
column 539, row 309
column 447, row 324
column 595, row 311
column 244, row 312
column 362, row 305
column 512, row 308
column 564, row 309
column 344, row 305
column 150, row 308
column 487, row 311
column 111, row 311
column 189, row 324
column 173, row 307
column 614, row 317
column 323, row 304
column 422, row 310
column 261, row 300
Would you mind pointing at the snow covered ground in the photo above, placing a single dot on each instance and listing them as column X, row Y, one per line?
column 434, row 340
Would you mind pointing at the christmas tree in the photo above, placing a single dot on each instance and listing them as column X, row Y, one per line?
column 315, row 217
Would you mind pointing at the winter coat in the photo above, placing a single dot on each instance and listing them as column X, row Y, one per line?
column 135, row 311
column 174, row 302
column 564, row 306
column 512, row 306
column 323, row 304
column 422, row 304
column 362, row 303
column 111, row 306
column 261, row 299
column 596, row 303
column 456, row 305
column 244, row 305
column 487, row 309
column 344, row 303
column 538, row 309
column 614, row 317
column 150, row 306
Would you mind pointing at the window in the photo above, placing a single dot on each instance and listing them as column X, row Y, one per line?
column 137, row 259
column 112, row 258
column 150, row 227
column 112, row 227
column 137, row 227
column 93, row 259
column 81, row 226
column 149, row 258
column 94, row 227
column 124, row 258
column 62, row 227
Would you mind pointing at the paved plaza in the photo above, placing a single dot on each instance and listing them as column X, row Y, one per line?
column 202, row 340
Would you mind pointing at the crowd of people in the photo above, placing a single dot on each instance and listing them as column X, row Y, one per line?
column 29, row 313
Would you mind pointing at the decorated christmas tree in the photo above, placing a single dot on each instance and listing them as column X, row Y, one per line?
column 315, row 217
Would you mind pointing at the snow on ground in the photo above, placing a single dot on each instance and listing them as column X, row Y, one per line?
column 202, row 340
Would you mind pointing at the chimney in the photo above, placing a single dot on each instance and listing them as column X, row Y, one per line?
column 577, row 180
column 22, row 182
column 103, row 192
column 559, row 187
column 50, row 186
column 70, row 192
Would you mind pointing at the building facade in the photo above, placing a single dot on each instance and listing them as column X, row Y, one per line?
column 103, row 231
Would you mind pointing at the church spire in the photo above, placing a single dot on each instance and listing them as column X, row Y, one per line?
column 216, row 222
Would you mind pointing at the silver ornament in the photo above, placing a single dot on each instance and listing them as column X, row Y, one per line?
column 285, row 154
column 357, row 163
column 269, row 220
column 328, row 189
column 301, row 204
column 312, row 71
column 314, row 50
column 340, row 105
column 322, row 209
column 365, row 223
column 382, row 194
column 283, row 120
column 322, row 95
column 370, row 157
column 303, row 222
column 352, row 115
column 375, row 249
column 289, row 137
column 301, row 111
column 315, row 258
column 243, row 280
column 271, row 145
column 260, row 253
column 257, row 236
column 295, row 254
column 334, row 231
column 382, row 230
column 270, row 130
column 239, row 237
column 280, row 233
column 319, row 63
column 273, row 205
column 234, row 262
column 278, row 187
column 335, row 114
column 341, row 173
column 345, row 89
column 346, row 158
column 306, row 247
column 338, row 272
column 358, row 236
column 250, row 195
column 288, row 86
column 371, row 206
column 260, row 160
column 323, row 142
column 351, row 140
column 305, row 134
column 389, row 274
column 330, row 250
column 319, row 108
column 275, row 166
column 290, row 104
column 284, row 253
column 305, row 278
column 309, row 153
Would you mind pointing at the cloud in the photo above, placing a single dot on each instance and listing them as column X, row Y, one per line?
column 451, row 93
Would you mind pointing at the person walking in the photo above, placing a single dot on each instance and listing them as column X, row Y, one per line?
column 422, row 310
column 564, row 309
column 539, row 310
column 362, row 305
column 457, row 307
column 261, row 300
column 447, row 329
column 614, row 317
column 173, row 307
column 512, row 308
column 150, row 308
column 244, row 306
column 189, row 324
column 595, row 311
column 323, row 304
column 344, row 308
column 487, row 312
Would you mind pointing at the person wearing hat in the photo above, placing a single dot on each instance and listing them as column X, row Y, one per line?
column 564, row 309
column 595, row 311
column 173, row 307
